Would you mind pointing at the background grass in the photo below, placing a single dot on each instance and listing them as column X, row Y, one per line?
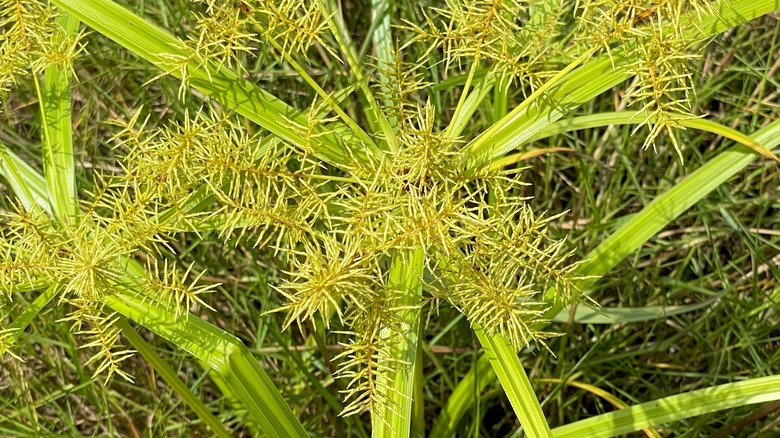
column 727, row 246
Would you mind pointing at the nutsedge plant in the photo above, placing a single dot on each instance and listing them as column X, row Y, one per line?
column 383, row 199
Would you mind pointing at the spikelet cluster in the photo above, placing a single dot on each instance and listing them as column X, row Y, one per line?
column 336, row 229
column 31, row 40
column 228, row 32
column 519, row 39
column 658, row 43
column 86, row 259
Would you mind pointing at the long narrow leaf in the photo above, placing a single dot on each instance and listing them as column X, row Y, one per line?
column 636, row 117
column 21, row 322
column 172, row 379
column 459, row 402
column 374, row 113
column 673, row 408
column 225, row 354
column 383, row 46
column 28, row 185
column 514, row 380
column 665, row 208
column 393, row 419
column 158, row 47
column 58, row 160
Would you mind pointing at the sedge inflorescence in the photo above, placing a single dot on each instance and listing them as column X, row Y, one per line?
column 333, row 205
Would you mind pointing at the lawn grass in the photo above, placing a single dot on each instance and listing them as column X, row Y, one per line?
column 726, row 246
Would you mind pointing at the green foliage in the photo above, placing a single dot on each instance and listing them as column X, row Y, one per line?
column 377, row 205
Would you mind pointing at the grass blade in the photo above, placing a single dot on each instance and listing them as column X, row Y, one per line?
column 476, row 380
column 514, row 380
column 27, row 184
column 522, row 156
column 637, row 117
column 374, row 113
column 587, row 315
column 157, row 46
column 238, row 372
column 382, row 39
column 393, row 419
column 21, row 322
column 674, row 202
column 58, row 160
column 673, row 408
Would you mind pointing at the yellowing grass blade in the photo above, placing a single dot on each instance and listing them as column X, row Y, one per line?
column 717, row 128
column 636, row 117
column 522, row 156
column 238, row 372
column 595, row 390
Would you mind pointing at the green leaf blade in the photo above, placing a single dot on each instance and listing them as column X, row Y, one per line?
column 393, row 419
column 515, row 383
column 158, row 47
column 673, row 408
column 58, row 158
